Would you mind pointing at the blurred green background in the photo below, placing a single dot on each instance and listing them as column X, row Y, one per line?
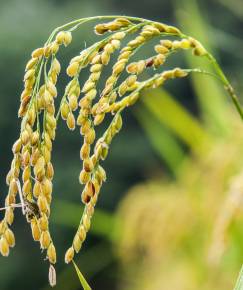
column 169, row 216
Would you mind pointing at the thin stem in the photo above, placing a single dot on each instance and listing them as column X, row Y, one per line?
column 228, row 87
column 198, row 70
column 21, row 197
column 76, row 23
column 44, row 117
column 145, row 83
column 11, row 206
column 226, row 83
column 87, row 19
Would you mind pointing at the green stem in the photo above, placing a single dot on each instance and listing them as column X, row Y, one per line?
column 226, row 83
column 80, row 21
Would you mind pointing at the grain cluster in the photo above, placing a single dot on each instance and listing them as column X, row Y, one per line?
column 31, row 173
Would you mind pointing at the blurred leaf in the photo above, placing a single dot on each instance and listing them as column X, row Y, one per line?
column 176, row 118
column 164, row 143
column 82, row 280
column 102, row 223
column 211, row 97
column 227, row 42
column 239, row 283
column 235, row 6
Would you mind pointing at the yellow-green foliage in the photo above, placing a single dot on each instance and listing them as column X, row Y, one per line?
column 186, row 234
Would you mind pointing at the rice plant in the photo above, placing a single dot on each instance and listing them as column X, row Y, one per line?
column 31, row 173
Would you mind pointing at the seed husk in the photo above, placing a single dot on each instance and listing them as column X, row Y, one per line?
column 69, row 255
column 4, row 247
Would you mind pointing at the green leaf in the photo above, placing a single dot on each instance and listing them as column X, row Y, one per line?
column 102, row 224
column 174, row 116
column 82, row 280
column 164, row 143
column 239, row 283
column 211, row 97
column 95, row 259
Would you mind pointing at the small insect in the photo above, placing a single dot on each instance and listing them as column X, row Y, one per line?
column 31, row 210
column 29, row 207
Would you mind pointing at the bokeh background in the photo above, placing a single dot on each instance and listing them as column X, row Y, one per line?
column 170, row 214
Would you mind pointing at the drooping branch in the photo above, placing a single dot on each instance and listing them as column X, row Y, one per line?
column 31, row 170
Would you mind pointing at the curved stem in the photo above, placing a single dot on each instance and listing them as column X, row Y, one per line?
column 215, row 64
column 80, row 21
column 198, row 70
column 226, row 83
